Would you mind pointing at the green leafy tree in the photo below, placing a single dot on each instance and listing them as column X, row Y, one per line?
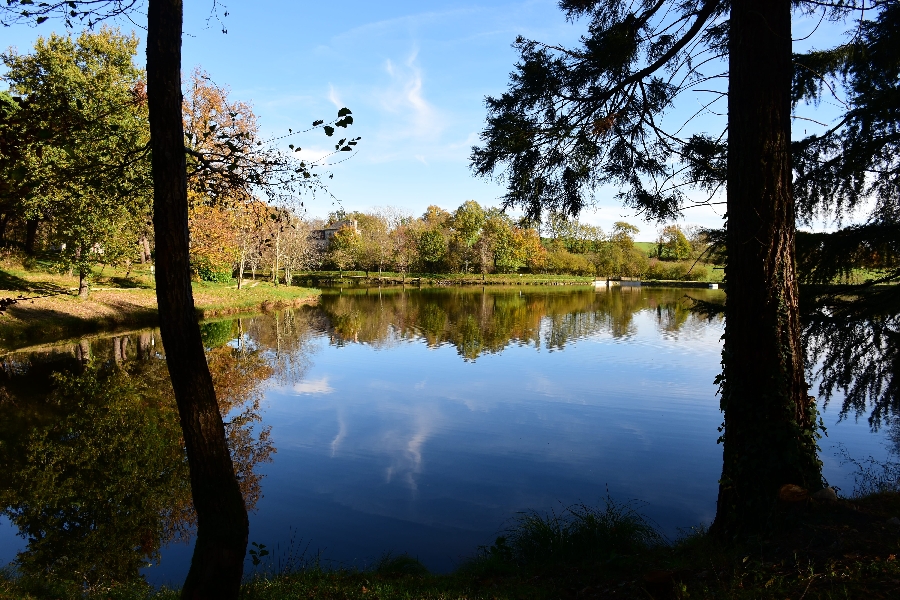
column 375, row 249
column 344, row 248
column 435, row 216
column 89, row 177
column 405, row 245
column 574, row 236
column 467, row 222
column 672, row 244
column 506, row 252
column 532, row 251
column 13, row 137
column 432, row 246
column 217, row 563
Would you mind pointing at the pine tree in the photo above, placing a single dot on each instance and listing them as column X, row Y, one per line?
column 853, row 329
column 574, row 119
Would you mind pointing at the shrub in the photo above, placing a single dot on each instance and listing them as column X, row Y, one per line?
column 205, row 270
column 577, row 534
column 678, row 271
column 563, row 262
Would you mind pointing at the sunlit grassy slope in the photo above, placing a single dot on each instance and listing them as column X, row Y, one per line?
column 47, row 307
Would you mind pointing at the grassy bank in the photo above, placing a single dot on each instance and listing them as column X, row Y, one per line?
column 351, row 278
column 818, row 550
column 47, row 307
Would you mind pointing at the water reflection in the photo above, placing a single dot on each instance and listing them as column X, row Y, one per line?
column 856, row 355
column 406, row 420
column 485, row 321
column 95, row 476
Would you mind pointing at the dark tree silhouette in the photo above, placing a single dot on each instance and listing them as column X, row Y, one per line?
column 222, row 524
column 576, row 118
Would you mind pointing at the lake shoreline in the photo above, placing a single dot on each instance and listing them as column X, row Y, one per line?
column 821, row 549
column 325, row 278
column 44, row 307
column 45, row 311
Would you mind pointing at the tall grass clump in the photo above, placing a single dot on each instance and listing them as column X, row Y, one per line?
column 873, row 476
column 576, row 534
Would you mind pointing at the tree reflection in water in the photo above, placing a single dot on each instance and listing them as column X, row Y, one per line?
column 94, row 471
column 95, row 475
column 853, row 347
column 485, row 321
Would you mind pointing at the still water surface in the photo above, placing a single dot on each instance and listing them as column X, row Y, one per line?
column 381, row 420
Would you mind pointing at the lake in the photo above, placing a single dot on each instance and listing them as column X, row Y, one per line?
column 391, row 420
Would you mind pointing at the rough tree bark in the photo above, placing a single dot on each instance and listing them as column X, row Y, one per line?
column 222, row 525
column 3, row 222
column 84, row 286
column 31, row 227
column 769, row 435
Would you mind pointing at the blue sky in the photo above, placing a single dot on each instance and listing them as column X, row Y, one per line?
column 414, row 74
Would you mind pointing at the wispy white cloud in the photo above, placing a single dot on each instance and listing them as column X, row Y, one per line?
column 313, row 386
column 407, row 460
column 341, row 434
column 334, row 98
column 404, row 95
column 314, row 154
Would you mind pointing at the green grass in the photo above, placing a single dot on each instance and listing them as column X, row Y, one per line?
column 48, row 308
column 213, row 299
column 576, row 534
column 648, row 248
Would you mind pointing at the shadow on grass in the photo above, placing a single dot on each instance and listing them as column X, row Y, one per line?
column 11, row 282
column 44, row 325
column 129, row 282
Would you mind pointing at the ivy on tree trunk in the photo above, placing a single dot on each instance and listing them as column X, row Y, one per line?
column 769, row 432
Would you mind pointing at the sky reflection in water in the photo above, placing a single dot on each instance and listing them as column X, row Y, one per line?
column 422, row 422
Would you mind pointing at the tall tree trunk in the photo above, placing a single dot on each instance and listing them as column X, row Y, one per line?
column 83, row 352
column 142, row 245
column 146, row 249
column 145, row 345
column 3, row 223
column 222, row 525
column 769, row 436
column 277, row 251
column 241, row 264
column 84, row 286
column 31, row 227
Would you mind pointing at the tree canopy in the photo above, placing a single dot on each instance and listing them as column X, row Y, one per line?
column 80, row 137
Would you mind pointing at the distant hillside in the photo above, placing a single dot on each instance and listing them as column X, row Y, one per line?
column 648, row 247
